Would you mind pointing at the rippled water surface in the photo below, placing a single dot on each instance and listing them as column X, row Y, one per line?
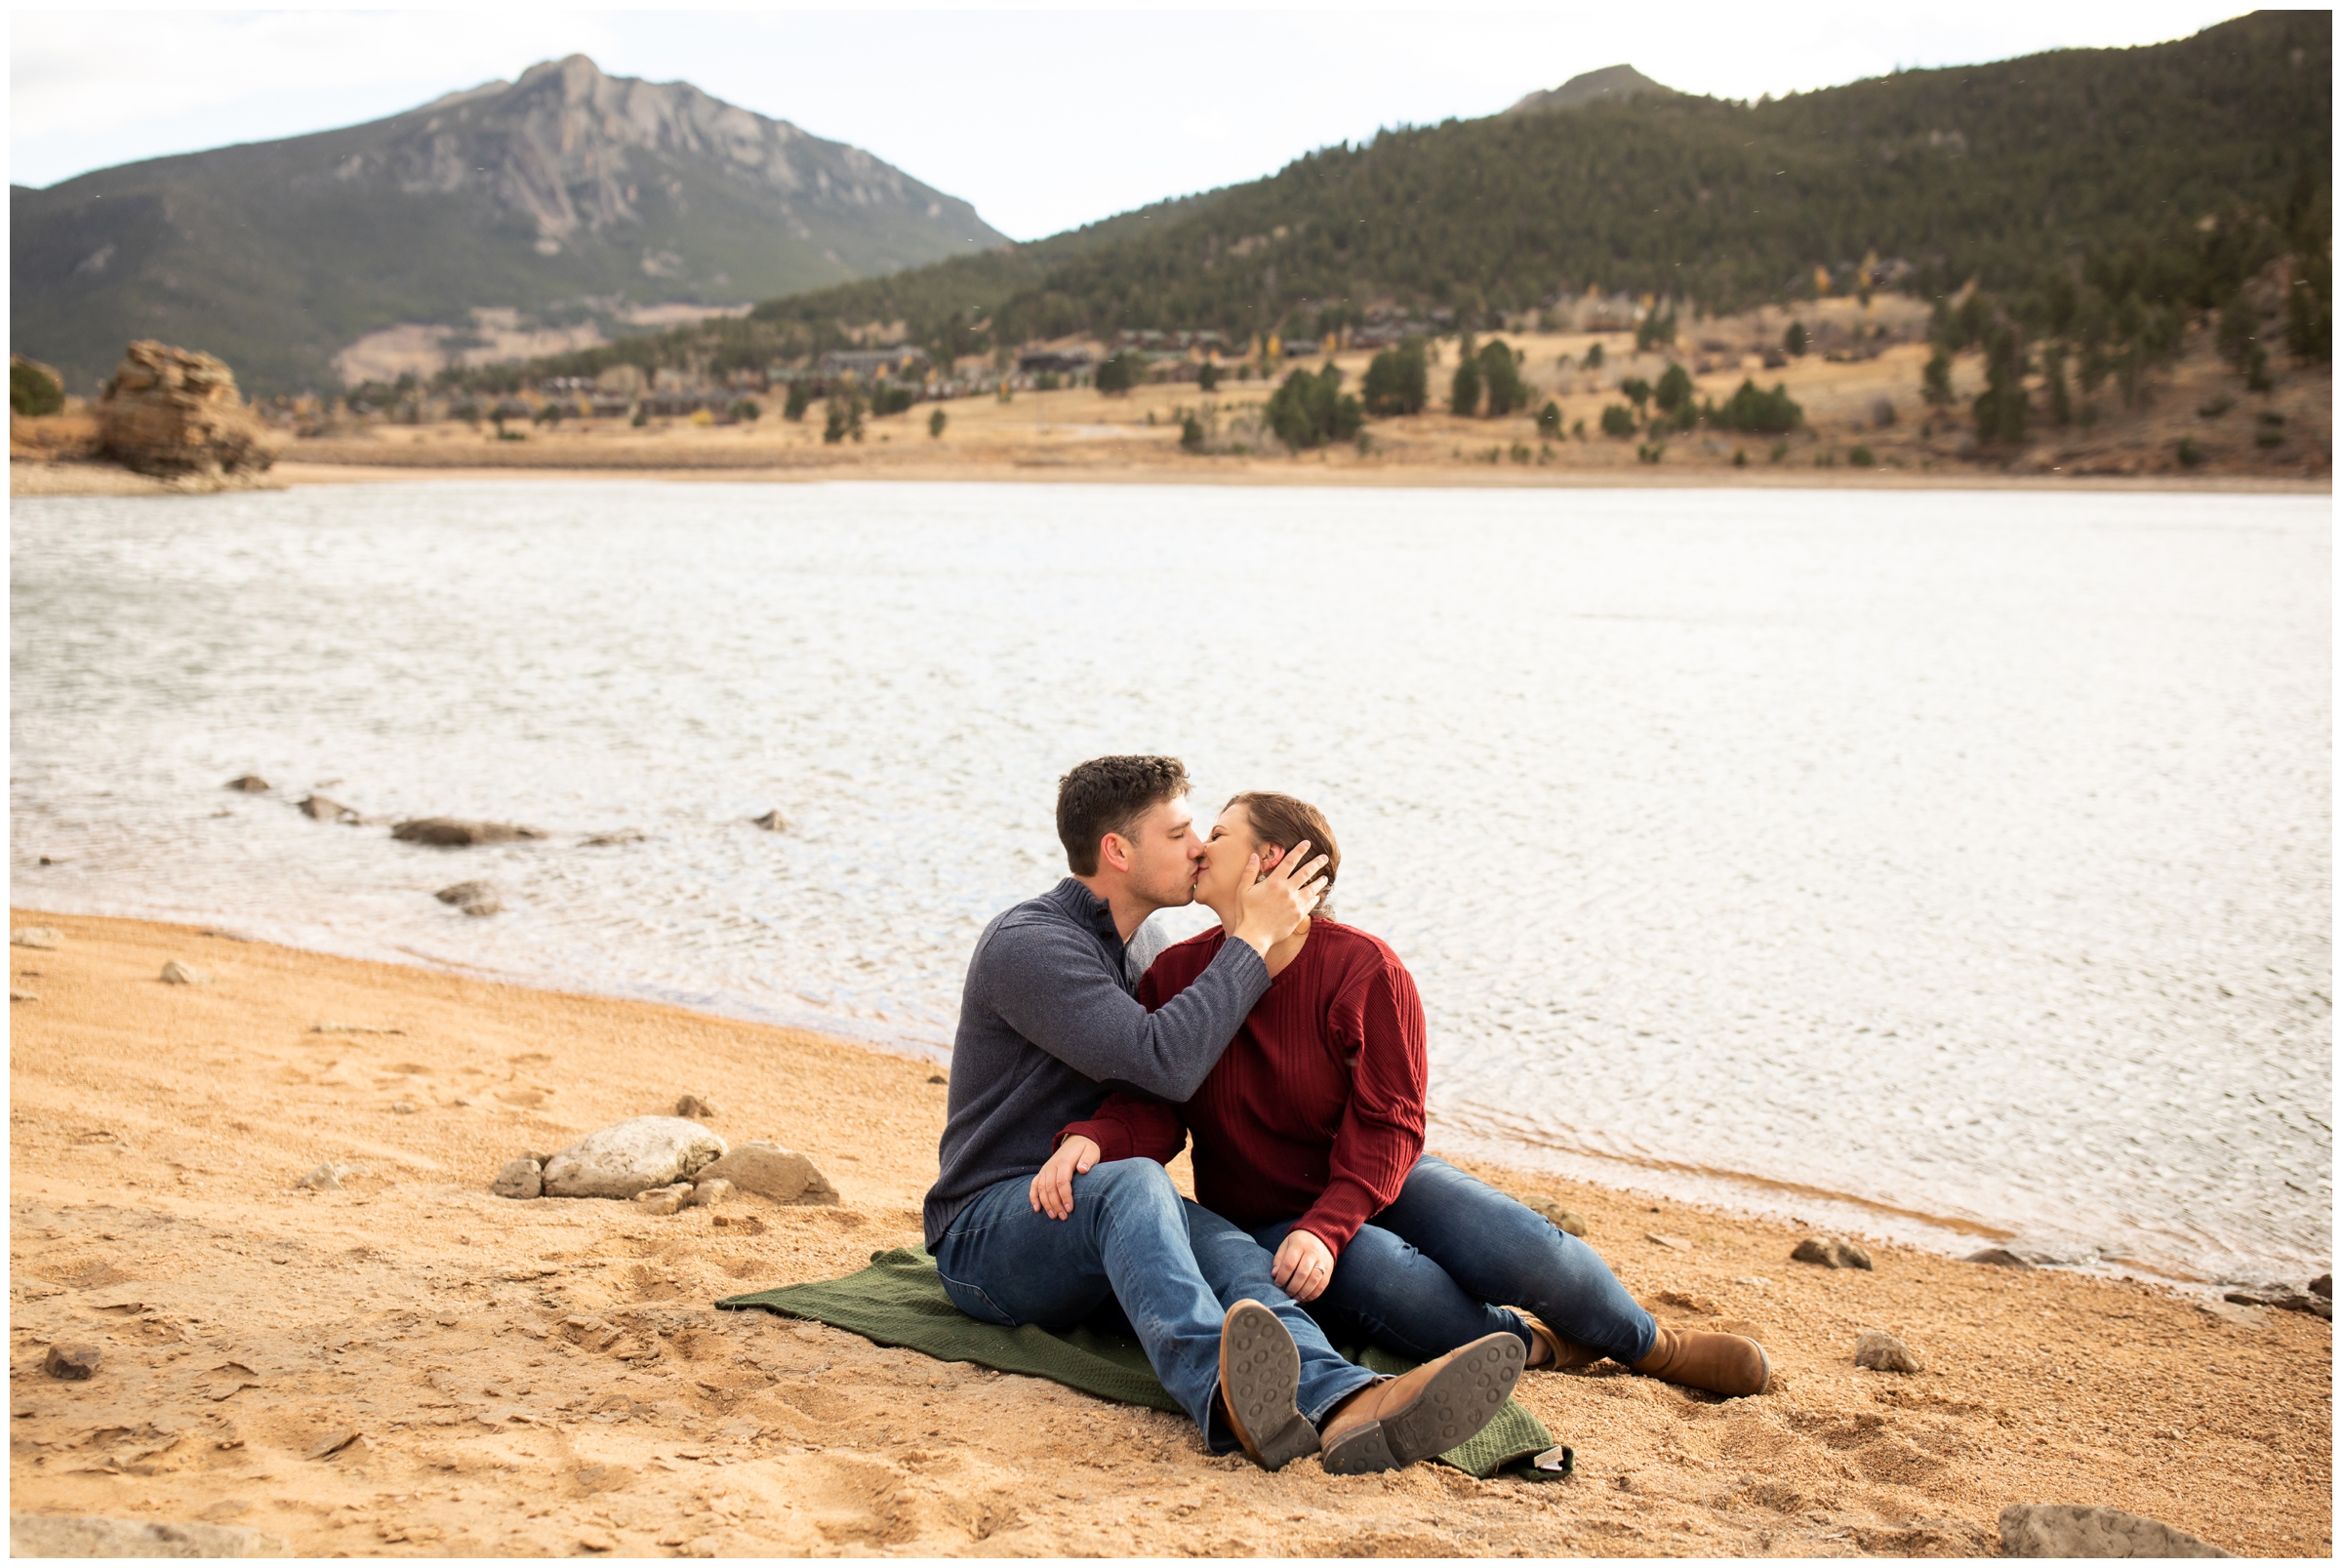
column 1925, row 860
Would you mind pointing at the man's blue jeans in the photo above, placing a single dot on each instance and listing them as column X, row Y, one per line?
column 1175, row 1268
column 1439, row 1266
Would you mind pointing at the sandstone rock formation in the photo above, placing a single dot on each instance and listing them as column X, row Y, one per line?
column 174, row 413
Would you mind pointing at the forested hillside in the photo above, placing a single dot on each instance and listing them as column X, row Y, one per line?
column 2137, row 163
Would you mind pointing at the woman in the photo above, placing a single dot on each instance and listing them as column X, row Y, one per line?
column 1308, row 1134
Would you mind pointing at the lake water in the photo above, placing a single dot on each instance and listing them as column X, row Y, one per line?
column 1947, row 866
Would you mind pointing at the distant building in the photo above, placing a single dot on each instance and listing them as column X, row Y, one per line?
column 1054, row 362
column 871, row 364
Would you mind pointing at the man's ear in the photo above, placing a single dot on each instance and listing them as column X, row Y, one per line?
column 1113, row 850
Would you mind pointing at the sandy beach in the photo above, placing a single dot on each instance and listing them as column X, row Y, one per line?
column 549, row 1377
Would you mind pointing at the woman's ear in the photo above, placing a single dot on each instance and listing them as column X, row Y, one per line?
column 1270, row 856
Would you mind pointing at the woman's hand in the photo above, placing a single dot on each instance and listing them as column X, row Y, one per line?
column 1303, row 1265
column 1053, row 1187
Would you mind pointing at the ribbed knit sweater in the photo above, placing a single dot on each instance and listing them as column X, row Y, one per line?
column 1316, row 1109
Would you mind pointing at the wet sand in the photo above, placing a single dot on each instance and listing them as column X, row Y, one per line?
column 550, row 1377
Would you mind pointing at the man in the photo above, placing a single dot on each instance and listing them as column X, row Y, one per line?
column 1048, row 1024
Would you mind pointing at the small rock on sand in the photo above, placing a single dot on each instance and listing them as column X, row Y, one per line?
column 451, row 832
column 1831, row 1252
column 1997, row 1258
column 937, row 1077
column 85, row 1535
column 333, row 1442
column 770, row 1171
column 35, row 937
column 634, row 1157
column 1671, row 1243
column 1555, row 1215
column 477, row 899
column 24, row 996
column 319, row 808
column 710, row 1191
column 248, row 784
column 623, row 835
column 175, row 973
column 329, row 1177
column 2323, row 1285
column 664, row 1199
column 772, row 821
column 522, row 1177
column 1881, row 1351
column 74, row 1363
column 696, row 1108
column 2058, row 1530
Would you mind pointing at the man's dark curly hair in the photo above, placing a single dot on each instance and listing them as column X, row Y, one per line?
column 1108, row 795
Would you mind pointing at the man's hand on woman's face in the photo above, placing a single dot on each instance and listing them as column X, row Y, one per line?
column 1276, row 903
column 1052, row 1189
column 1303, row 1265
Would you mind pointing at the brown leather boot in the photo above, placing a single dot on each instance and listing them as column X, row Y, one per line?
column 1260, row 1376
column 1720, row 1363
column 1553, row 1353
column 1392, row 1423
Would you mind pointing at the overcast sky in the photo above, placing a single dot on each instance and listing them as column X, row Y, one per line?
column 1044, row 118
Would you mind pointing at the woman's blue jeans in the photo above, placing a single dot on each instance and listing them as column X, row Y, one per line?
column 1439, row 1267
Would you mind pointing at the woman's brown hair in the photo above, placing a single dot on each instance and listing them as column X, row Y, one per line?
column 1285, row 821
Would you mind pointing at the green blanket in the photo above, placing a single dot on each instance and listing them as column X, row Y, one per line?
column 897, row 1301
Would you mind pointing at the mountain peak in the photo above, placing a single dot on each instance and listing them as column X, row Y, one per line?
column 1612, row 84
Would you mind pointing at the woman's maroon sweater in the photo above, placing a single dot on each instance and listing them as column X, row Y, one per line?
column 1315, row 1109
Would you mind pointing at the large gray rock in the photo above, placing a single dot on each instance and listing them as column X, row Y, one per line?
column 450, row 832
column 770, row 1171
column 632, row 1157
column 86, row 1535
column 2059, row 1530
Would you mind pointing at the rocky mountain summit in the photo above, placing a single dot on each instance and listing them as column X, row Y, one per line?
column 567, row 202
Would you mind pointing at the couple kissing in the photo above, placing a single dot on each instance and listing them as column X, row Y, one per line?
column 1290, row 1049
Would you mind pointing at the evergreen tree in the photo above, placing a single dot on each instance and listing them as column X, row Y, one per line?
column 1398, row 381
column 1935, row 381
column 1119, row 374
column 1549, row 420
column 800, row 398
column 1794, row 340
column 1500, row 375
column 32, row 391
column 1311, row 409
column 1463, row 390
column 2001, row 407
column 1637, row 391
column 1673, row 390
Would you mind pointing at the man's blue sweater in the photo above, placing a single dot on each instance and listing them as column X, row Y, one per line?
column 1049, row 1024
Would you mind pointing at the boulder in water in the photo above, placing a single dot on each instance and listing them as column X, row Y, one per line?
column 249, row 784
column 772, row 821
column 632, row 1157
column 475, row 898
column 453, row 832
column 318, row 809
column 174, row 413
